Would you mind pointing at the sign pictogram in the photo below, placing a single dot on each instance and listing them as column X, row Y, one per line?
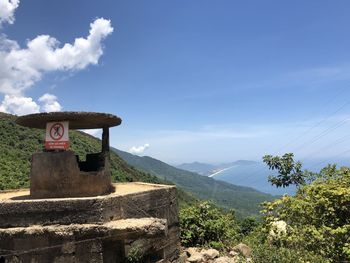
column 56, row 131
column 57, row 136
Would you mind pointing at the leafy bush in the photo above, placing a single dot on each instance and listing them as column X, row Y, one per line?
column 317, row 217
column 206, row 225
column 248, row 224
column 135, row 254
column 271, row 254
column 265, row 252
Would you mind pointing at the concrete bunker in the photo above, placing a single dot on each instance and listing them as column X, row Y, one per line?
column 58, row 172
column 72, row 211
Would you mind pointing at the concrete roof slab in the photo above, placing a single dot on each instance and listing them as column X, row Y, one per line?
column 77, row 120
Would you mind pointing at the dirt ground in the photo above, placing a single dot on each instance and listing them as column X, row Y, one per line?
column 120, row 189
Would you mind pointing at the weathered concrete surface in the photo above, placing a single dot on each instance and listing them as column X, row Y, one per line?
column 77, row 120
column 57, row 174
column 130, row 200
column 35, row 238
column 91, row 229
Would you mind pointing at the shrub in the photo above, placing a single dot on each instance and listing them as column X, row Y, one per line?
column 318, row 216
column 265, row 252
column 248, row 225
column 205, row 225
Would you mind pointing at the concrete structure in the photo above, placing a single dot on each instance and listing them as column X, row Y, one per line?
column 73, row 213
column 138, row 220
column 62, row 174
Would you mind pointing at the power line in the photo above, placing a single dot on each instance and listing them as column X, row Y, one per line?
column 319, row 136
column 328, row 146
column 322, row 162
column 324, row 133
column 314, row 126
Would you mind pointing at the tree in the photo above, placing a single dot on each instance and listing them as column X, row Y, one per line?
column 289, row 171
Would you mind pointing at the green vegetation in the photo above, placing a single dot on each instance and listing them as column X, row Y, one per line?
column 318, row 216
column 205, row 225
column 289, row 171
column 312, row 226
column 263, row 252
column 135, row 253
column 244, row 200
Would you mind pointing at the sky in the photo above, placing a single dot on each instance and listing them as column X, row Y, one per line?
column 209, row 81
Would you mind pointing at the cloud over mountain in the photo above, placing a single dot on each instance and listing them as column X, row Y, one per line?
column 139, row 149
column 50, row 103
column 19, row 105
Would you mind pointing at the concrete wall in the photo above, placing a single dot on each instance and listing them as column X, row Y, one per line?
column 92, row 229
column 57, row 174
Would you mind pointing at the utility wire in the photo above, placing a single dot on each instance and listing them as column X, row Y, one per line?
column 319, row 136
column 322, row 162
column 318, row 123
column 328, row 146
column 323, row 133
column 314, row 126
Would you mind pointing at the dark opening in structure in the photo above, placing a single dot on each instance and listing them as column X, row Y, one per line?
column 94, row 162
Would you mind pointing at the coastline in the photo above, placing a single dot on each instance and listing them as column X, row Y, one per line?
column 221, row 170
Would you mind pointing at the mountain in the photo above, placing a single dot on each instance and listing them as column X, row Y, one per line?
column 246, row 200
column 196, row 167
column 240, row 162
column 251, row 174
column 209, row 169
column 242, row 172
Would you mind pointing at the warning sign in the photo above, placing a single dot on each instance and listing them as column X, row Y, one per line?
column 57, row 136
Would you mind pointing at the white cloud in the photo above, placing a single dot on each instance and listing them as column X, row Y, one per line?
column 139, row 149
column 7, row 10
column 19, row 105
column 50, row 103
column 93, row 132
column 21, row 68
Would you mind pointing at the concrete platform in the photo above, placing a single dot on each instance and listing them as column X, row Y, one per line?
column 130, row 200
column 90, row 229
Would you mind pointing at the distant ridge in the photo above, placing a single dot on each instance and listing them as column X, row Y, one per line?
column 210, row 169
column 245, row 200
column 197, row 167
column 245, row 173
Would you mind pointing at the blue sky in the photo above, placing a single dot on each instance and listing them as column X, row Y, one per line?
column 210, row 81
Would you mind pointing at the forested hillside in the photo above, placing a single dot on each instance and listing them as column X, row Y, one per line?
column 18, row 144
column 244, row 200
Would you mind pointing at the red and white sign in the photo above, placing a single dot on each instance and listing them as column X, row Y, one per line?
column 57, row 136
